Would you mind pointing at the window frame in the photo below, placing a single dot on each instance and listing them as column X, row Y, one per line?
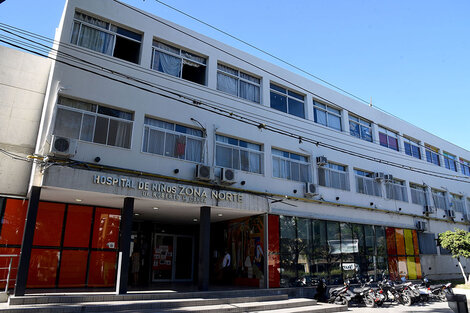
column 181, row 56
column 450, row 161
column 412, row 143
column 418, row 192
column 176, row 133
column 287, row 94
column 391, row 189
column 389, row 135
column 441, row 196
column 291, row 158
column 240, row 148
column 432, row 155
column 95, row 114
column 367, row 176
column 108, row 30
column 464, row 166
column 333, row 168
column 239, row 79
column 317, row 106
column 361, row 123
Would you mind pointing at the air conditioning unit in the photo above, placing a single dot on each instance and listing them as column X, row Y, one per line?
column 63, row 146
column 388, row 177
column 322, row 160
column 428, row 209
column 379, row 176
column 227, row 176
column 421, row 226
column 204, row 172
column 450, row 213
column 310, row 190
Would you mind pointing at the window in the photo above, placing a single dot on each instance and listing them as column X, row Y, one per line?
column 327, row 115
column 439, row 198
column 449, row 161
column 107, row 38
column 290, row 166
column 432, row 155
column 457, row 203
column 179, row 63
column 418, row 194
column 388, row 138
column 412, row 148
column 360, row 128
column 173, row 140
column 287, row 101
column 239, row 154
column 334, row 176
column 94, row 123
column 366, row 184
column 238, row 83
column 396, row 190
column 427, row 243
column 465, row 167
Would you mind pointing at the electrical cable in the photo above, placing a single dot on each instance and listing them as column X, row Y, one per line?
column 244, row 119
column 75, row 48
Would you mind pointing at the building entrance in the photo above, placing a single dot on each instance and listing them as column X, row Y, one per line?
column 172, row 258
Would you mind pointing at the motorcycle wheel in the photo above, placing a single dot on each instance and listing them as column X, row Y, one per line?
column 406, row 299
column 341, row 301
column 369, row 301
column 442, row 295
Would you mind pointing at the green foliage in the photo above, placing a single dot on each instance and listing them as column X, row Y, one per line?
column 457, row 242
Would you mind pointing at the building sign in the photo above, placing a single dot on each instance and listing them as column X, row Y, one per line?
column 167, row 191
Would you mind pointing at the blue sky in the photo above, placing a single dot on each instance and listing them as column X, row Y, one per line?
column 411, row 57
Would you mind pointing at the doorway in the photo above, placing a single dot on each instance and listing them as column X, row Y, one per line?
column 173, row 257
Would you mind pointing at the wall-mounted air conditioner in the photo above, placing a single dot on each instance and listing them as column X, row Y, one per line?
column 63, row 146
column 421, row 226
column 227, row 176
column 379, row 176
column 204, row 172
column 322, row 161
column 388, row 178
column 450, row 213
column 428, row 209
column 310, row 190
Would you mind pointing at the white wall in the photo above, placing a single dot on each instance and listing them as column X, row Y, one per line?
column 23, row 80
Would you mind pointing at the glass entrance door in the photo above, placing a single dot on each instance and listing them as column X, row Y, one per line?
column 172, row 257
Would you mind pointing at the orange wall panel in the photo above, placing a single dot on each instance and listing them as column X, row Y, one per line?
column 400, row 238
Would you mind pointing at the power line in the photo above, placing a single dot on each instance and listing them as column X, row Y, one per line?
column 230, row 114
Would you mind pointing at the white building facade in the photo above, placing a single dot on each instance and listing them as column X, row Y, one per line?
column 160, row 148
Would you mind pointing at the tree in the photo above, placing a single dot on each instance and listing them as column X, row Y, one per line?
column 458, row 243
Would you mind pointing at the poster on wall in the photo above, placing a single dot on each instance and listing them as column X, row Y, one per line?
column 162, row 257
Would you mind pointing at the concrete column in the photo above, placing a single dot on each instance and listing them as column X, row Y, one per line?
column 204, row 248
column 127, row 214
column 27, row 243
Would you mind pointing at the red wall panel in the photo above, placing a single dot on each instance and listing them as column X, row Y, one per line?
column 391, row 244
column 102, row 271
column 13, row 222
column 274, row 261
column 49, row 223
column 73, row 268
column 106, row 228
column 43, row 268
column 78, row 226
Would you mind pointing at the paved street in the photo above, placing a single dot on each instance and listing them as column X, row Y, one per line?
column 438, row 307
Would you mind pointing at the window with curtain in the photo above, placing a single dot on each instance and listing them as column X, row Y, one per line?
column 432, row 155
column 178, row 62
column 388, row 138
column 290, row 166
column 366, row 184
column 238, row 83
column 97, row 35
column 450, row 161
column 360, row 128
column 396, row 190
column 412, row 148
column 94, row 123
column 440, row 199
column 287, row 101
column 418, row 194
column 334, row 176
column 326, row 115
column 239, row 154
column 457, row 203
column 465, row 167
column 173, row 140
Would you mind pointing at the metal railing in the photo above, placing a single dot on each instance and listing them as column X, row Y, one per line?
column 9, row 268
